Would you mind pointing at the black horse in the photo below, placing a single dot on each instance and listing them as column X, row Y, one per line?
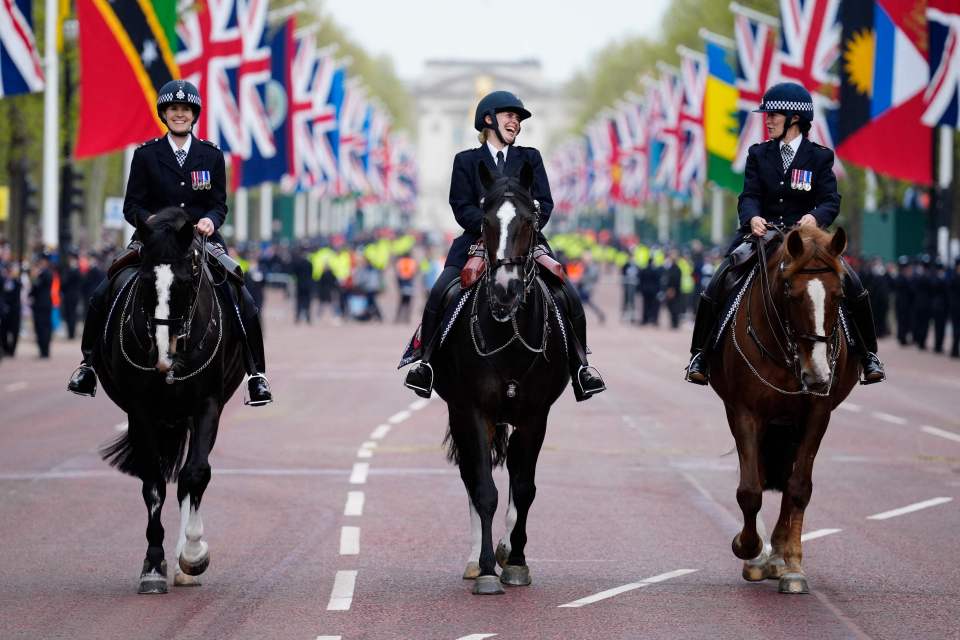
column 170, row 358
column 502, row 364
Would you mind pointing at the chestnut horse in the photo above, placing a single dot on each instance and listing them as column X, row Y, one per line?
column 782, row 364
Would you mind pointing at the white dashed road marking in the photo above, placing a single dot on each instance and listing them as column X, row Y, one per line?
column 609, row 593
column 886, row 417
column 349, row 541
column 380, row 432
column 342, row 595
column 360, row 471
column 910, row 508
column 477, row 636
column 399, row 417
column 851, row 407
column 364, row 453
column 328, row 638
column 819, row 533
column 354, row 505
column 416, row 405
column 15, row 386
column 949, row 435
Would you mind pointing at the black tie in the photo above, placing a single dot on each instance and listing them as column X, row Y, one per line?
column 500, row 161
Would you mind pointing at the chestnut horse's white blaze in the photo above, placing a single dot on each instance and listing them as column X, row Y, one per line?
column 818, row 295
column 164, row 278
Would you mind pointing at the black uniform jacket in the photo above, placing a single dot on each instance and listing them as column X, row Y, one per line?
column 466, row 191
column 768, row 193
column 157, row 181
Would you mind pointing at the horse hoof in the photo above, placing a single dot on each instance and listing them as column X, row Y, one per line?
column 502, row 554
column 776, row 568
column 487, row 586
column 515, row 575
column 152, row 580
column 746, row 553
column 181, row 579
column 472, row 572
column 794, row 583
column 196, row 567
column 754, row 572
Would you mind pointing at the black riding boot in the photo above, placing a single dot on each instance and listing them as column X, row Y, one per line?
column 83, row 382
column 862, row 316
column 706, row 318
column 420, row 377
column 585, row 379
column 258, row 387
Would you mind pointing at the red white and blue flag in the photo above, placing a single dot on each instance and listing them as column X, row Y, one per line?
column 20, row 68
column 756, row 53
column 667, row 175
column 313, row 118
column 352, row 121
column 943, row 94
column 693, row 156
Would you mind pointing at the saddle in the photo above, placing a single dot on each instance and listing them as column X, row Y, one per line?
column 218, row 260
column 476, row 264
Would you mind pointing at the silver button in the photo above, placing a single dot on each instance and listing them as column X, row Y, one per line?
column 781, row 200
column 781, row 183
column 184, row 184
column 183, row 204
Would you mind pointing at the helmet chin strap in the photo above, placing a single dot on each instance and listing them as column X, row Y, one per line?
column 496, row 129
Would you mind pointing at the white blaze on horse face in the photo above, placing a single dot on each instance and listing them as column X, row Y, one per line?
column 506, row 214
column 164, row 277
column 818, row 295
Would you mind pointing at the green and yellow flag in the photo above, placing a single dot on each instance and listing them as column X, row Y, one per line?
column 721, row 127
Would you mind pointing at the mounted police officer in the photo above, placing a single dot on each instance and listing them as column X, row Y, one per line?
column 498, row 119
column 177, row 170
column 788, row 181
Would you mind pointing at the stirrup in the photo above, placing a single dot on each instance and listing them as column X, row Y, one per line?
column 72, row 387
column 257, row 403
column 423, row 392
column 703, row 374
column 863, row 371
column 586, row 393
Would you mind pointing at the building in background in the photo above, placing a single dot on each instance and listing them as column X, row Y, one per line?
column 446, row 96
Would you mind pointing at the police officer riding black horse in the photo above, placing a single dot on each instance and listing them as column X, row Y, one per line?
column 497, row 119
column 788, row 181
column 178, row 170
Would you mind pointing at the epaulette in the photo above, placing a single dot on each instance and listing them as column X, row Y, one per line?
column 149, row 142
column 209, row 142
column 818, row 145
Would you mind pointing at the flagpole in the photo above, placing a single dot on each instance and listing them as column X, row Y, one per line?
column 51, row 128
column 127, row 162
column 716, row 214
column 944, row 178
column 266, row 211
column 241, row 214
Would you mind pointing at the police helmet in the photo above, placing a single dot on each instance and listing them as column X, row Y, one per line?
column 179, row 92
column 494, row 103
column 788, row 98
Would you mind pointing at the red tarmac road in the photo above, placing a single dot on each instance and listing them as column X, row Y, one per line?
column 637, row 483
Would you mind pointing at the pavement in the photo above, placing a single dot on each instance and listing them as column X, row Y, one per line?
column 333, row 513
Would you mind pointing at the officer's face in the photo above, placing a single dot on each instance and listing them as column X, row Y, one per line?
column 179, row 118
column 775, row 124
column 509, row 124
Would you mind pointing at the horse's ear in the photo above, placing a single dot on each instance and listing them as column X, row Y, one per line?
column 486, row 178
column 526, row 175
column 838, row 244
column 794, row 244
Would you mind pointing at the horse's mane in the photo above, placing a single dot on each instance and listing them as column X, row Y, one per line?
column 816, row 245
column 164, row 243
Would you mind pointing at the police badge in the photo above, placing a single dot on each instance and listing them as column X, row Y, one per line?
column 180, row 94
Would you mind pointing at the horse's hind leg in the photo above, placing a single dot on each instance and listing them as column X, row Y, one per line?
column 525, row 444
column 193, row 556
column 799, row 490
column 746, row 431
column 153, row 576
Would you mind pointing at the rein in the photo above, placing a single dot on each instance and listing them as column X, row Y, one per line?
column 789, row 352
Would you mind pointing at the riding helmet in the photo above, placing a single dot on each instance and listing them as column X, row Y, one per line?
column 494, row 103
column 179, row 92
column 788, row 98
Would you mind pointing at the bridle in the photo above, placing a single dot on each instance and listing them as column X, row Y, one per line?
column 525, row 261
column 788, row 355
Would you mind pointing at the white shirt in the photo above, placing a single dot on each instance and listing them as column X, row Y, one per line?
column 493, row 151
column 795, row 144
column 185, row 147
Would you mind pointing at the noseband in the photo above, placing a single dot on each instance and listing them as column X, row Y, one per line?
column 525, row 261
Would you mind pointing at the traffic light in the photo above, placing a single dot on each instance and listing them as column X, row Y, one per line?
column 30, row 203
column 71, row 201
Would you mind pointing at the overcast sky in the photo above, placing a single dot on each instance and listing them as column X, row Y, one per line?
column 562, row 34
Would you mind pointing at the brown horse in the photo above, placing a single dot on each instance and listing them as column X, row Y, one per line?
column 781, row 367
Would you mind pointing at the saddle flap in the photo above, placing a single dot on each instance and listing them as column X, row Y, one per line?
column 472, row 271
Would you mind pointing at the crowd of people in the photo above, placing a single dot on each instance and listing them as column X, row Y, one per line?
column 916, row 299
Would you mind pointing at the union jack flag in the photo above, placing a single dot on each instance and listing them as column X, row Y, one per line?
column 20, row 68
column 402, row 179
column 599, row 153
column 810, row 35
column 632, row 120
column 254, row 74
column 352, row 118
column 693, row 156
column 756, row 46
column 943, row 94
column 379, row 161
column 313, row 118
column 667, row 176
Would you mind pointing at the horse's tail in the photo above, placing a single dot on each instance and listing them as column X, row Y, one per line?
column 132, row 454
column 498, row 447
column 778, row 452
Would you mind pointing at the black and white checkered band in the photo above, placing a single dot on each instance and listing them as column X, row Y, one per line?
column 180, row 96
column 786, row 105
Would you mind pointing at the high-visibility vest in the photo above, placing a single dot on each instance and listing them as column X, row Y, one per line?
column 686, row 275
column 406, row 268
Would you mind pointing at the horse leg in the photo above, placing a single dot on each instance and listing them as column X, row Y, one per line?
column 153, row 576
column 473, row 434
column 472, row 570
column 193, row 556
column 522, row 454
column 746, row 431
column 775, row 565
column 799, row 490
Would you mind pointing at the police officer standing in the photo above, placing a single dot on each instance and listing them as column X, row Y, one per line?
column 41, row 302
column 498, row 119
column 178, row 170
column 774, row 194
column 903, row 300
column 953, row 287
column 71, row 284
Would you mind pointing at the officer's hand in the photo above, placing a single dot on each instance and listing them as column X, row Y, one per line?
column 808, row 221
column 758, row 226
column 205, row 227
